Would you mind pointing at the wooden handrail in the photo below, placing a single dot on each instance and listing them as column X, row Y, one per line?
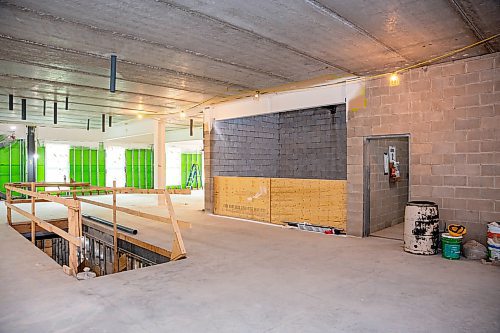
column 45, row 225
column 135, row 212
column 70, row 203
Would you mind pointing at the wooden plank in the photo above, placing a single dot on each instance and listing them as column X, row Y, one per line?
column 243, row 197
column 25, row 227
column 145, row 245
column 33, row 212
column 320, row 202
column 20, row 201
column 66, row 202
column 115, row 231
column 9, row 210
column 135, row 212
column 73, row 230
column 45, row 225
column 48, row 184
column 178, row 249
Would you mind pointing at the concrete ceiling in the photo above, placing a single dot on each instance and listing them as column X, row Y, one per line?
column 175, row 54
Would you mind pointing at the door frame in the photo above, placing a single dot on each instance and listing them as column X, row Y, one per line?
column 366, row 175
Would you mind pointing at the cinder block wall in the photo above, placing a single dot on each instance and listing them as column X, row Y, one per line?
column 452, row 112
column 308, row 143
column 313, row 144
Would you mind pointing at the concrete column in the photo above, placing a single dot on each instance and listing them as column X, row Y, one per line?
column 159, row 158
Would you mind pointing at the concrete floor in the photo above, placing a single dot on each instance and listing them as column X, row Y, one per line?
column 247, row 277
column 395, row 232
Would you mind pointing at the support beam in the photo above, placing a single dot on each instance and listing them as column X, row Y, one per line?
column 159, row 159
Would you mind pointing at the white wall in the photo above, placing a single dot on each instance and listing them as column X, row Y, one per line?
column 331, row 93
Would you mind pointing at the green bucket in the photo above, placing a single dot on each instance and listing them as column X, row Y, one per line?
column 451, row 246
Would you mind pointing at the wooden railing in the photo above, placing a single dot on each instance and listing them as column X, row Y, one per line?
column 74, row 214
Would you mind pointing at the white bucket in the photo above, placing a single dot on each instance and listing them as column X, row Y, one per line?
column 493, row 250
column 494, row 232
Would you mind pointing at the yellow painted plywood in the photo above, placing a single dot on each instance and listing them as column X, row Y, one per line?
column 243, row 197
column 320, row 202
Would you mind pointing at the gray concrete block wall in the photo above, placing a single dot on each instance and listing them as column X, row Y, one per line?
column 313, row 144
column 245, row 147
column 452, row 113
column 297, row 144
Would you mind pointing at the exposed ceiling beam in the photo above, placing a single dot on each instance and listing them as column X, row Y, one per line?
column 151, row 67
column 470, row 23
column 48, row 16
column 88, row 73
column 333, row 14
column 252, row 33
column 64, row 84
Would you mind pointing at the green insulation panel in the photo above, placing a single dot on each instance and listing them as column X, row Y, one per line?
column 40, row 166
column 139, row 168
column 88, row 165
column 187, row 161
column 12, row 164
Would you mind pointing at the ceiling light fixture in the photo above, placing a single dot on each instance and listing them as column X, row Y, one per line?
column 182, row 115
column 394, row 80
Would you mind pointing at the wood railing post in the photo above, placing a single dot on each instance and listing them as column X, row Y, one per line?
column 115, row 231
column 33, row 202
column 9, row 210
column 74, row 230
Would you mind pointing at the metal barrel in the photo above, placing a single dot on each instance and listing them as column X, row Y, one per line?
column 421, row 229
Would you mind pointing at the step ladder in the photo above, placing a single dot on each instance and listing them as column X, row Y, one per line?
column 194, row 178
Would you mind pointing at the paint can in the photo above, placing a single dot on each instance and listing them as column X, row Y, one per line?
column 451, row 246
column 421, row 229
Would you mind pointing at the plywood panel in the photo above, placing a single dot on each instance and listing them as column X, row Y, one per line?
column 243, row 197
column 321, row 202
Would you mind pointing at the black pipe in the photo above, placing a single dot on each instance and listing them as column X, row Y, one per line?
column 23, row 109
column 110, row 122
column 11, row 102
column 55, row 112
column 88, row 124
column 44, row 106
column 66, row 107
column 103, row 122
column 109, row 224
column 191, row 124
column 112, row 76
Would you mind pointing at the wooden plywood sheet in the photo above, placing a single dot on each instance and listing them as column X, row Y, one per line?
column 243, row 197
column 321, row 202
